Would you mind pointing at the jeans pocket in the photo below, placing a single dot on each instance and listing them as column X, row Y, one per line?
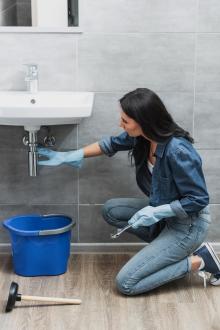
column 203, row 228
column 202, row 216
column 193, row 240
column 201, row 232
column 181, row 225
column 205, row 218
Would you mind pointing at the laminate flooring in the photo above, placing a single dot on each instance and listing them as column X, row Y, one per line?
column 181, row 305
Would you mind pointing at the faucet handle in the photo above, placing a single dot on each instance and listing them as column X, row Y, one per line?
column 32, row 69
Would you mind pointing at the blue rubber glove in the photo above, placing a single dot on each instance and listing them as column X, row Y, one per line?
column 150, row 215
column 72, row 158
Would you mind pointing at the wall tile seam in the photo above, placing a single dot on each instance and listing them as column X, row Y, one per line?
column 104, row 204
column 77, row 130
column 126, row 90
column 116, row 244
column 26, row 150
column 144, row 33
column 50, row 204
column 47, row 34
column 103, row 243
column 38, row 204
column 90, row 204
column 77, row 143
column 195, row 67
column 135, row 33
column 12, row 148
column 80, row 204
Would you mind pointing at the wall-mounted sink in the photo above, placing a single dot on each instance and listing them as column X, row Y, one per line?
column 31, row 110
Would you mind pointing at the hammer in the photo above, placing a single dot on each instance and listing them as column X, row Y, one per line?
column 15, row 296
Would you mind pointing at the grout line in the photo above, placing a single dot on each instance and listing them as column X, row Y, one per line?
column 63, row 204
column 109, row 244
column 195, row 67
column 77, row 137
column 78, row 235
column 85, row 33
column 79, row 32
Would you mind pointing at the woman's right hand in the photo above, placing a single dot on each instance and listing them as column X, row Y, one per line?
column 56, row 158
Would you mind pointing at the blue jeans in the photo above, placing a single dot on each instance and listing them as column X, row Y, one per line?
column 166, row 258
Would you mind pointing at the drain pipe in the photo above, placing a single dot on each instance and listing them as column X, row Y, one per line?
column 32, row 153
column 31, row 142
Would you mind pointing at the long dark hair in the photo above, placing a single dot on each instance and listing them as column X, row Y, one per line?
column 147, row 109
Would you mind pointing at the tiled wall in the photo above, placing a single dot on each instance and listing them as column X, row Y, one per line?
column 172, row 47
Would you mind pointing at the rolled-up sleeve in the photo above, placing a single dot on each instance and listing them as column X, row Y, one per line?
column 113, row 144
column 188, row 176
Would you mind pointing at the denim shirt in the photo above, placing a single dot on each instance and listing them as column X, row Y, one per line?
column 177, row 178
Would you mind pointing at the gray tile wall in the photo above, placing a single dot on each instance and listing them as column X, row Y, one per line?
column 170, row 46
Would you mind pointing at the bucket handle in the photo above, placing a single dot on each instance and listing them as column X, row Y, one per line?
column 56, row 231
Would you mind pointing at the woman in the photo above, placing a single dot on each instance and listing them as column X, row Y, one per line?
column 174, row 217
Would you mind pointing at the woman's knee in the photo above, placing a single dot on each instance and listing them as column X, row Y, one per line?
column 122, row 285
column 122, row 209
column 107, row 210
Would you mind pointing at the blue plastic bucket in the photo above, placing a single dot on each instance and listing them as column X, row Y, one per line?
column 40, row 243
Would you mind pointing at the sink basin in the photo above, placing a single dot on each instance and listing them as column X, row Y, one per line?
column 33, row 110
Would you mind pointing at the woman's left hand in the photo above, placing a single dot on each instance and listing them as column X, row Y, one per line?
column 144, row 217
column 150, row 215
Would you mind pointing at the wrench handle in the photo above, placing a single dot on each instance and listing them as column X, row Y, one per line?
column 120, row 231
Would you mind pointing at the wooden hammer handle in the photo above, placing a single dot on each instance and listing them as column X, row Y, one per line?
column 52, row 299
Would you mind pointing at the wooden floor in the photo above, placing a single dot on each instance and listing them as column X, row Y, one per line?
column 182, row 304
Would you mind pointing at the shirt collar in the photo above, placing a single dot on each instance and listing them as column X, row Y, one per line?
column 161, row 148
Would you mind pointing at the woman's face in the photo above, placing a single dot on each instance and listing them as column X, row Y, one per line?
column 130, row 125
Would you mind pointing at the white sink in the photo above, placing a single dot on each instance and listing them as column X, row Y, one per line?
column 44, row 108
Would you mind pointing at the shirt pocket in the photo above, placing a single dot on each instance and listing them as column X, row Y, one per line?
column 167, row 189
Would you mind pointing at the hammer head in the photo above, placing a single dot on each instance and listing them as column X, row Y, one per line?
column 12, row 296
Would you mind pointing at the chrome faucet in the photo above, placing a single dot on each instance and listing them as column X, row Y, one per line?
column 32, row 77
